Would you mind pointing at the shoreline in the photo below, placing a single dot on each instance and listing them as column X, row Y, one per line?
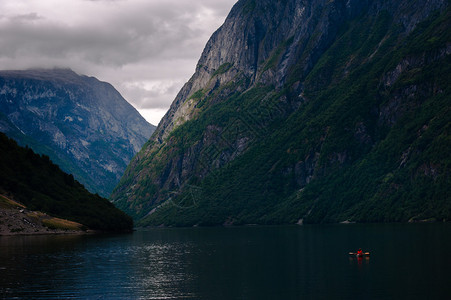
column 20, row 221
column 16, row 219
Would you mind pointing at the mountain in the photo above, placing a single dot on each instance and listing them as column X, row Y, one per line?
column 84, row 125
column 34, row 181
column 306, row 111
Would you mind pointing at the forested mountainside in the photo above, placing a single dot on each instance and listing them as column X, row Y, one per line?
column 306, row 111
column 39, row 184
column 83, row 125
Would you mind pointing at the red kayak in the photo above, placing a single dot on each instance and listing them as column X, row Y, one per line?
column 363, row 254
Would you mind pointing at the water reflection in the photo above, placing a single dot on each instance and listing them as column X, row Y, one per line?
column 158, row 266
column 101, row 267
column 309, row 262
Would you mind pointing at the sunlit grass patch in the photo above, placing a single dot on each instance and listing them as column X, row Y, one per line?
column 36, row 216
column 56, row 223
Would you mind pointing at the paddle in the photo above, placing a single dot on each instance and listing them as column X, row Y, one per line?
column 365, row 253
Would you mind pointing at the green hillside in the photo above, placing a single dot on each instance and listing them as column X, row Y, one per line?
column 39, row 184
column 360, row 136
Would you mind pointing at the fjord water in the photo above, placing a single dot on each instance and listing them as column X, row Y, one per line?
column 408, row 261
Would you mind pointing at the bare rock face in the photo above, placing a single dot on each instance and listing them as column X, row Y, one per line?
column 261, row 41
column 287, row 94
column 83, row 124
column 252, row 32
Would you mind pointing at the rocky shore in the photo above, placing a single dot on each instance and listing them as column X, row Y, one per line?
column 16, row 219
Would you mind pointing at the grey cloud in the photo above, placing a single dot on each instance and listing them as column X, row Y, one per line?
column 27, row 17
column 152, row 99
column 127, row 43
column 114, row 42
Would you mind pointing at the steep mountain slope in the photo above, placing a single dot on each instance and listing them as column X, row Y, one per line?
column 83, row 124
column 306, row 111
column 39, row 184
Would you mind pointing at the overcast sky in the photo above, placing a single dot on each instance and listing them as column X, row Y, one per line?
column 146, row 48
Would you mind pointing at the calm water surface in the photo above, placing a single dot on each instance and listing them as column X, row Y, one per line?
column 408, row 261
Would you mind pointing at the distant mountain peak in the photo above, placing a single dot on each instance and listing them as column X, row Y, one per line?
column 44, row 74
column 83, row 124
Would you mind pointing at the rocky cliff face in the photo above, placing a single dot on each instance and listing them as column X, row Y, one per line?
column 292, row 95
column 83, row 124
column 261, row 41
